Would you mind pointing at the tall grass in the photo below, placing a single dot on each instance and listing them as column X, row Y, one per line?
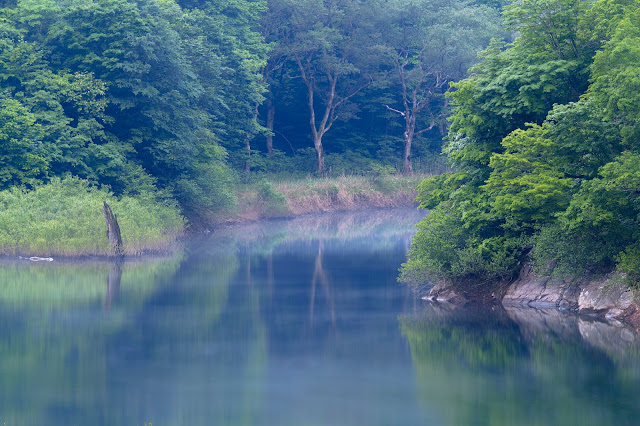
column 310, row 195
column 64, row 218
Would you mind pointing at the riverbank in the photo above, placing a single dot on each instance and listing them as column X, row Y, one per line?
column 267, row 199
column 64, row 218
column 603, row 296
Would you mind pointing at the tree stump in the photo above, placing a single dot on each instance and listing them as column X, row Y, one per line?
column 113, row 231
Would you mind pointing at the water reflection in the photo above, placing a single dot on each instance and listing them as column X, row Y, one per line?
column 319, row 275
column 489, row 365
column 272, row 323
column 293, row 322
column 55, row 338
column 113, row 282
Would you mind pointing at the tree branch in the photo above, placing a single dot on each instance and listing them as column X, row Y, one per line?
column 433, row 123
column 395, row 110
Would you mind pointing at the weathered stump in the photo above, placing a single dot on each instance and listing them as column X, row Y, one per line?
column 113, row 231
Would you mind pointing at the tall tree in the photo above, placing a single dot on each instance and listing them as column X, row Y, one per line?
column 328, row 48
column 233, row 28
column 20, row 161
column 274, row 31
column 430, row 43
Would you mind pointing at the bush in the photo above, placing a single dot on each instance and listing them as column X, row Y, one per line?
column 205, row 192
column 629, row 263
column 463, row 240
column 273, row 202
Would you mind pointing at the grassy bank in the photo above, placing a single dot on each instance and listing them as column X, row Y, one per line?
column 64, row 218
column 267, row 199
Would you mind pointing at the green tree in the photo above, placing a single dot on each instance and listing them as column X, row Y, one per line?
column 616, row 76
column 231, row 33
column 523, row 186
column 542, row 166
column 21, row 160
column 519, row 83
column 429, row 44
column 519, row 160
column 137, row 93
column 598, row 227
column 328, row 47
column 69, row 108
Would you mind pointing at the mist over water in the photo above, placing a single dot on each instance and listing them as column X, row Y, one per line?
column 293, row 322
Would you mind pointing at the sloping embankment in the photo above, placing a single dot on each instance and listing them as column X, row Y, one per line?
column 285, row 199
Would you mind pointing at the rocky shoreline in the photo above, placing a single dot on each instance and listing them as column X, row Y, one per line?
column 604, row 296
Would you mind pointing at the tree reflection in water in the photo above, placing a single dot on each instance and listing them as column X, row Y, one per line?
column 192, row 339
column 319, row 274
column 489, row 365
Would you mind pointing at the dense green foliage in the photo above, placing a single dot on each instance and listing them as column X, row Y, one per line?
column 135, row 95
column 545, row 142
column 178, row 97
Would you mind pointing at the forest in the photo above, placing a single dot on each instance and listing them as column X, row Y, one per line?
column 185, row 99
column 544, row 144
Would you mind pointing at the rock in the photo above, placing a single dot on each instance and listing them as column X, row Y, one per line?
column 444, row 292
column 541, row 292
column 631, row 315
column 606, row 295
column 603, row 296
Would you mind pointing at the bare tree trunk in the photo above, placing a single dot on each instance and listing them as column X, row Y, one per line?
column 407, row 168
column 409, row 132
column 317, row 143
column 271, row 113
column 247, row 143
column 414, row 101
column 317, row 131
column 247, row 163
column 113, row 231
column 328, row 118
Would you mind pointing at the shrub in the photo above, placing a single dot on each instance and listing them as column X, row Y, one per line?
column 629, row 263
column 458, row 241
column 273, row 202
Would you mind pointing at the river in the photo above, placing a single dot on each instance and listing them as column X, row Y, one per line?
column 293, row 322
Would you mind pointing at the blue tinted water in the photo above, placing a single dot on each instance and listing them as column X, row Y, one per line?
column 293, row 322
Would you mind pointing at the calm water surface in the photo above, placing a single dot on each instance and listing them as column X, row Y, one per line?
column 297, row 322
